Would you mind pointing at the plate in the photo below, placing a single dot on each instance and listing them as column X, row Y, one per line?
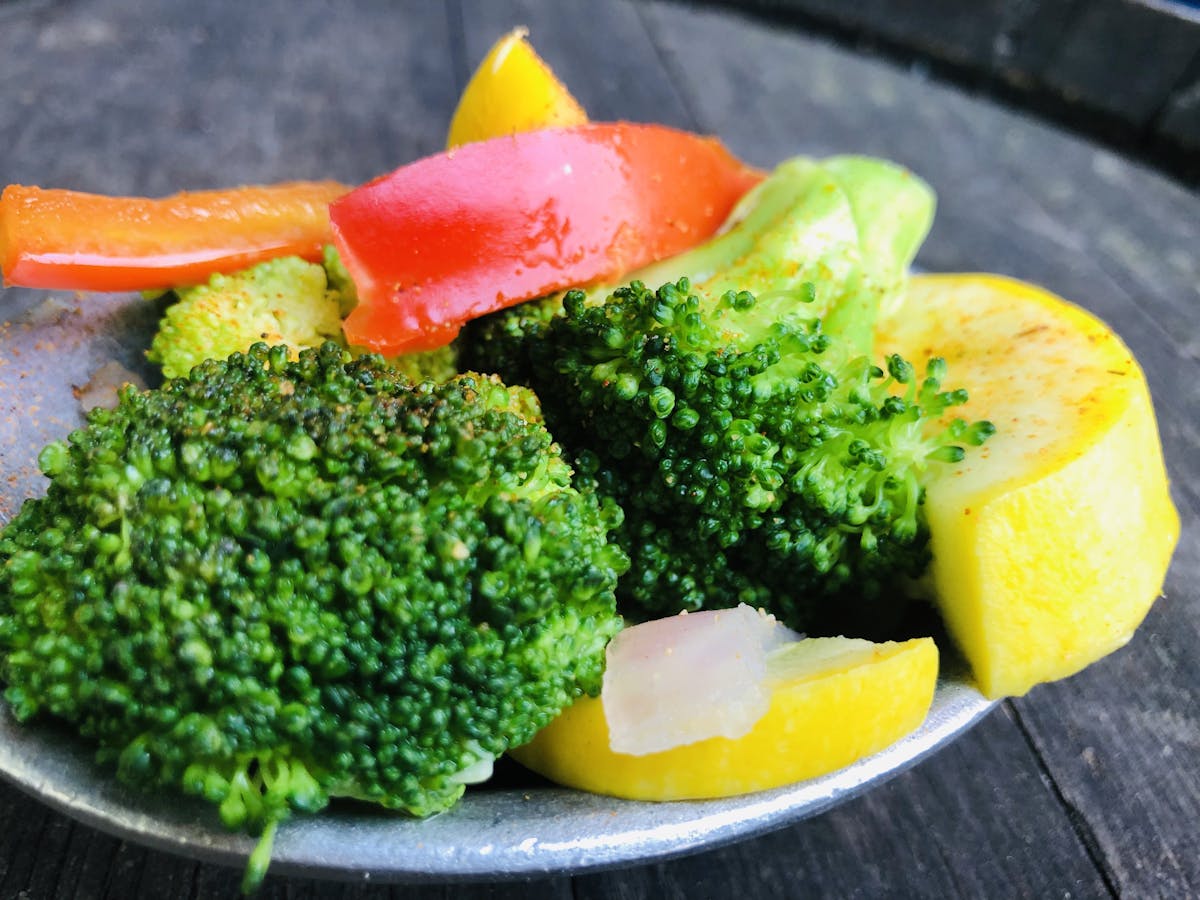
column 51, row 348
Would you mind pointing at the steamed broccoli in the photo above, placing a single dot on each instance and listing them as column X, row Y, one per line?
column 845, row 227
column 756, row 460
column 758, row 453
column 277, row 581
column 500, row 342
column 282, row 301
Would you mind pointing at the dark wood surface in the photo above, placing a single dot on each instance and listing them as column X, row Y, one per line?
column 1126, row 71
column 1084, row 788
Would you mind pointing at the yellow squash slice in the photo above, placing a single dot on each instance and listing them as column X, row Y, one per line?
column 833, row 701
column 1051, row 542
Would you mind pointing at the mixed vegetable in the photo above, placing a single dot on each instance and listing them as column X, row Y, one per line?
column 86, row 242
column 452, row 237
column 427, row 445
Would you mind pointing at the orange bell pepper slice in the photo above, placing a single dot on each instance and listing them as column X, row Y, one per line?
column 88, row 242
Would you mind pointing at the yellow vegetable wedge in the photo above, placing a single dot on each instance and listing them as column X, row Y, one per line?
column 834, row 701
column 1052, row 541
column 512, row 90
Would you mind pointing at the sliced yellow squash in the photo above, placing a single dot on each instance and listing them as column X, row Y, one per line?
column 1051, row 542
column 832, row 701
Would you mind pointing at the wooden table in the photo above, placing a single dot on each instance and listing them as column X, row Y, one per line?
column 1084, row 788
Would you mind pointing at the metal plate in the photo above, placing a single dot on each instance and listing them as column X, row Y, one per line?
column 49, row 349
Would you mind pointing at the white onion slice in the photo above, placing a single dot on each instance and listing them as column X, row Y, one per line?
column 690, row 677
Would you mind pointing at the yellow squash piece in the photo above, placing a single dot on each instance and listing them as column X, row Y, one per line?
column 834, row 701
column 1051, row 542
column 513, row 90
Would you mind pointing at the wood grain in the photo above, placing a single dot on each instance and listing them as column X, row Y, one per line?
column 1124, row 71
column 1086, row 788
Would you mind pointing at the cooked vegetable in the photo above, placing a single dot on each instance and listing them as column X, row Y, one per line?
column 847, row 227
column 758, row 457
column 844, row 228
column 466, row 232
column 87, row 242
column 687, row 678
column 754, row 458
column 819, row 704
column 281, row 301
column 512, row 90
column 1050, row 547
column 275, row 582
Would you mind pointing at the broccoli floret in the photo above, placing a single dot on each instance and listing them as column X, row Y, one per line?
column 500, row 342
column 735, row 414
column 669, row 569
column 440, row 364
column 274, row 581
column 281, row 301
column 845, row 228
column 338, row 277
column 756, row 458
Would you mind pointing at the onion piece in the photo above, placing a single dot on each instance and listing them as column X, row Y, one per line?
column 690, row 677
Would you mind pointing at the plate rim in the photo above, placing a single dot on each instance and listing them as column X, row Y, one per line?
column 492, row 834
column 517, row 833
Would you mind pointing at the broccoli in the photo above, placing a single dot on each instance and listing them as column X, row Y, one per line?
column 274, row 581
column 339, row 280
column 755, row 458
column 282, row 301
column 439, row 364
column 846, row 227
column 500, row 342
column 758, row 453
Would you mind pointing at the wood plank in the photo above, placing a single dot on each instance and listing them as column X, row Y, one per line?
column 216, row 77
column 1117, row 69
column 947, row 30
column 1121, row 742
column 25, row 821
column 975, row 817
column 1178, row 123
column 84, row 864
column 1102, row 60
column 1034, row 31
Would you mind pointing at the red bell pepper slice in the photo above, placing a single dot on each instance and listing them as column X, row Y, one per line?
column 88, row 242
column 487, row 225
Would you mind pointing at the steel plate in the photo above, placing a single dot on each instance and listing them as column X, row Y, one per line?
column 50, row 349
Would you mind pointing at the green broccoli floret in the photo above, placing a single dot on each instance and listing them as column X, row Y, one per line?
column 500, row 342
column 439, row 364
column 845, row 227
column 274, row 581
column 339, row 280
column 281, row 301
column 757, row 459
column 735, row 414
